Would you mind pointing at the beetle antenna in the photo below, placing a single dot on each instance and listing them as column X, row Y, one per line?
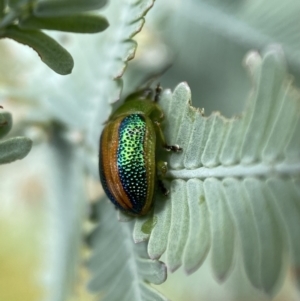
column 158, row 90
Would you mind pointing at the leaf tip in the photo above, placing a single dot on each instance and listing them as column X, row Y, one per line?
column 26, row 146
column 252, row 60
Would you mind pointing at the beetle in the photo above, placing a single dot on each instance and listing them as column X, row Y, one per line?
column 127, row 156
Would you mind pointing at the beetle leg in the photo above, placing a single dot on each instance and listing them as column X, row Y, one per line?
column 162, row 168
column 93, row 212
column 161, row 172
column 163, row 188
column 174, row 148
column 158, row 90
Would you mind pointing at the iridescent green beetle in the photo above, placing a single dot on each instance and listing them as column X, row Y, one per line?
column 127, row 159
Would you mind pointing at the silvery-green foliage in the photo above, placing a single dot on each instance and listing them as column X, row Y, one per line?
column 236, row 180
column 81, row 103
column 255, row 24
column 212, row 38
column 226, row 187
column 73, row 110
column 120, row 269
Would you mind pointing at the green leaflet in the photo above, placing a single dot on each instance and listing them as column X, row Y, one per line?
column 14, row 149
column 66, row 7
column 2, row 7
column 17, row 3
column 20, row 20
column 5, row 122
column 80, row 23
column 11, row 149
column 50, row 52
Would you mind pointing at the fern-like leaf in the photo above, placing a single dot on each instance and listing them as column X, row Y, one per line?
column 236, row 180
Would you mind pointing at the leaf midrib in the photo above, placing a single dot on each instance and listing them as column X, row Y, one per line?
column 281, row 169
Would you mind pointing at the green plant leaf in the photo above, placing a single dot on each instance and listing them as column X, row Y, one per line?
column 66, row 7
column 14, row 149
column 81, row 23
column 50, row 52
column 126, row 265
column 3, row 4
column 236, row 179
column 8, row 18
column 5, row 123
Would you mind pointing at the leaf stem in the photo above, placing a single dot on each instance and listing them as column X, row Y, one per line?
column 9, row 18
